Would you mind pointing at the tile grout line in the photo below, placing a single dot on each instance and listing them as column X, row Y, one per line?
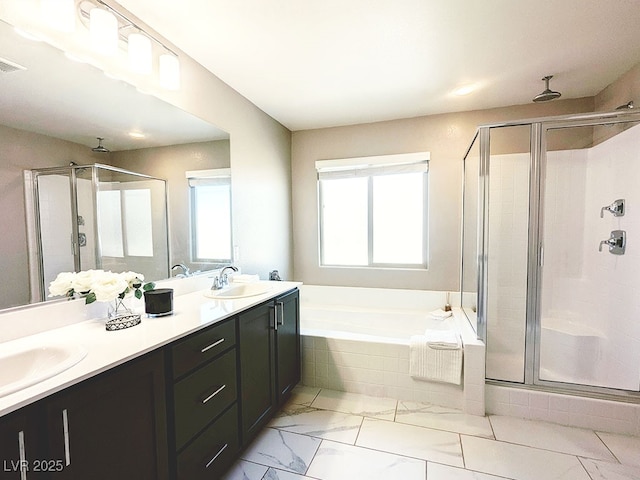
column 607, row 447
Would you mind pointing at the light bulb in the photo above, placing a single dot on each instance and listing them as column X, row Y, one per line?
column 103, row 26
column 140, row 60
column 169, row 71
column 59, row 14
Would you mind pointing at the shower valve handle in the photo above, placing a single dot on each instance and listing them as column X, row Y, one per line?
column 616, row 208
column 616, row 242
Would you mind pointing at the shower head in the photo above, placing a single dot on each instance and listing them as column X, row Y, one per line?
column 547, row 94
column 100, row 148
column 626, row 106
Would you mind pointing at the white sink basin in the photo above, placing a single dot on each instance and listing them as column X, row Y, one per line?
column 26, row 366
column 240, row 290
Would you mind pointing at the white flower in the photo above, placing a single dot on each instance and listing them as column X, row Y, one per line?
column 108, row 286
column 62, row 284
column 133, row 278
column 98, row 285
column 84, row 281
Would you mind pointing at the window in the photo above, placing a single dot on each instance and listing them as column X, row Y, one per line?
column 210, row 192
column 373, row 211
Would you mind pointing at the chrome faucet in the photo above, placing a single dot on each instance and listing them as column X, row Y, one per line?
column 185, row 270
column 222, row 279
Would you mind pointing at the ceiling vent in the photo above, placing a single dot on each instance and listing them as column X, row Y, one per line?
column 7, row 66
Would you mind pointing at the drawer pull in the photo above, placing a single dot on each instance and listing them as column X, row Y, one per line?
column 23, row 456
column 216, row 455
column 214, row 344
column 65, row 430
column 214, row 394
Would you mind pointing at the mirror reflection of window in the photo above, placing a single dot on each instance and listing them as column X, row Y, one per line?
column 137, row 221
column 110, row 223
column 210, row 196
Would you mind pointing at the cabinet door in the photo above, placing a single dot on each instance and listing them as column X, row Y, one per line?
column 257, row 368
column 288, row 344
column 112, row 426
column 20, row 450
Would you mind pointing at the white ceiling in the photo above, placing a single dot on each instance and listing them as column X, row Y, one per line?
column 313, row 64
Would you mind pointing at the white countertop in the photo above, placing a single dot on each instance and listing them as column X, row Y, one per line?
column 192, row 312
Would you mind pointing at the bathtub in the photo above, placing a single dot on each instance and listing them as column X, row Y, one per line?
column 357, row 340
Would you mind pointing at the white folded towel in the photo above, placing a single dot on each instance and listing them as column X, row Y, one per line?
column 245, row 278
column 443, row 339
column 427, row 363
column 440, row 314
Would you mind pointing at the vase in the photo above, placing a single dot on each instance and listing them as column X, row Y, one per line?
column 120, row 316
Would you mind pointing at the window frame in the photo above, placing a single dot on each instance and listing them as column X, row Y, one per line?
column 196, row 178
column 376, row 166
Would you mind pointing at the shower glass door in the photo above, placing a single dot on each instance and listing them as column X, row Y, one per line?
column 55, row 218
column 506, row 228
column 589, row 292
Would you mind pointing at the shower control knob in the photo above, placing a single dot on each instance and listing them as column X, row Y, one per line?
column 616, row 242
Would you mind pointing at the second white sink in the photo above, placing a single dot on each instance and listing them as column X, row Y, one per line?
column 239, row 290
column 26, row 366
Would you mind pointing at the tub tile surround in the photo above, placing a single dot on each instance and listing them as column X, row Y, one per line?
column 418, row 444
column 380, row 366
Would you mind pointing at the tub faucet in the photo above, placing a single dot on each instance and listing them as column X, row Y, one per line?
column 222, row 279
column 185, row 270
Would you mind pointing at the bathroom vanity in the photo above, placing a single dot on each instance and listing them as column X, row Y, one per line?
column 181, row 408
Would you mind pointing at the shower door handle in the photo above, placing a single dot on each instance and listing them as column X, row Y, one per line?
column 617, row 242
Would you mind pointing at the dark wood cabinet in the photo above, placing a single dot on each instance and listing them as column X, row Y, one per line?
column 269, row 342
column 287, row 344
column 256, row 338
column 21, row 449
column 112, row 426
column 204, row 413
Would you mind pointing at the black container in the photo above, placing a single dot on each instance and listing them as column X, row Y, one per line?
column 159, row 302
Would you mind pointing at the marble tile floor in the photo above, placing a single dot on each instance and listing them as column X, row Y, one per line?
column 328, row 435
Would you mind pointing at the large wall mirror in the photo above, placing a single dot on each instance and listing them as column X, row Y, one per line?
column 52, row 110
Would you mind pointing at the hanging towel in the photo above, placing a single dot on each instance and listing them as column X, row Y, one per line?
column 440, row 314
column 432, row 364
column 443, row 339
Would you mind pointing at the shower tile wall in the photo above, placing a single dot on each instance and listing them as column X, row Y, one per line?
column 591, row 297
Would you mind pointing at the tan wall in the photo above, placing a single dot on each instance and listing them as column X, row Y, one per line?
column 260, row 164
column 447, row 137
column 170, row 163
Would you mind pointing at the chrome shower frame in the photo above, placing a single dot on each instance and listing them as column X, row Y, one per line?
column 38, row 291
column 538, row 147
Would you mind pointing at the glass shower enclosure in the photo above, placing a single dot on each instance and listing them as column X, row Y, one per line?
column 549, row 251
column 94, row 217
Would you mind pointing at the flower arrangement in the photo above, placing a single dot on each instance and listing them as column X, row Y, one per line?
column 98, row 285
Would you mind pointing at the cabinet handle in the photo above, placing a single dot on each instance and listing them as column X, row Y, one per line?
column 214, row 344
column 216, row 455
column 65, row 429
column 23, row 456
column 281, row 305
column 213, row 394
column 273, row 309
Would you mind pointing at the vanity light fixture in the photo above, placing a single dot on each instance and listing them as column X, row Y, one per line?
column 103, row 28
column 139, row 51
column 140, row 43
column 59, row 14
column 169, row 71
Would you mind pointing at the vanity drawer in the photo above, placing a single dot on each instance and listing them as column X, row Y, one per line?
column 213, row 451
column 203, row 395
column 202, row 347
